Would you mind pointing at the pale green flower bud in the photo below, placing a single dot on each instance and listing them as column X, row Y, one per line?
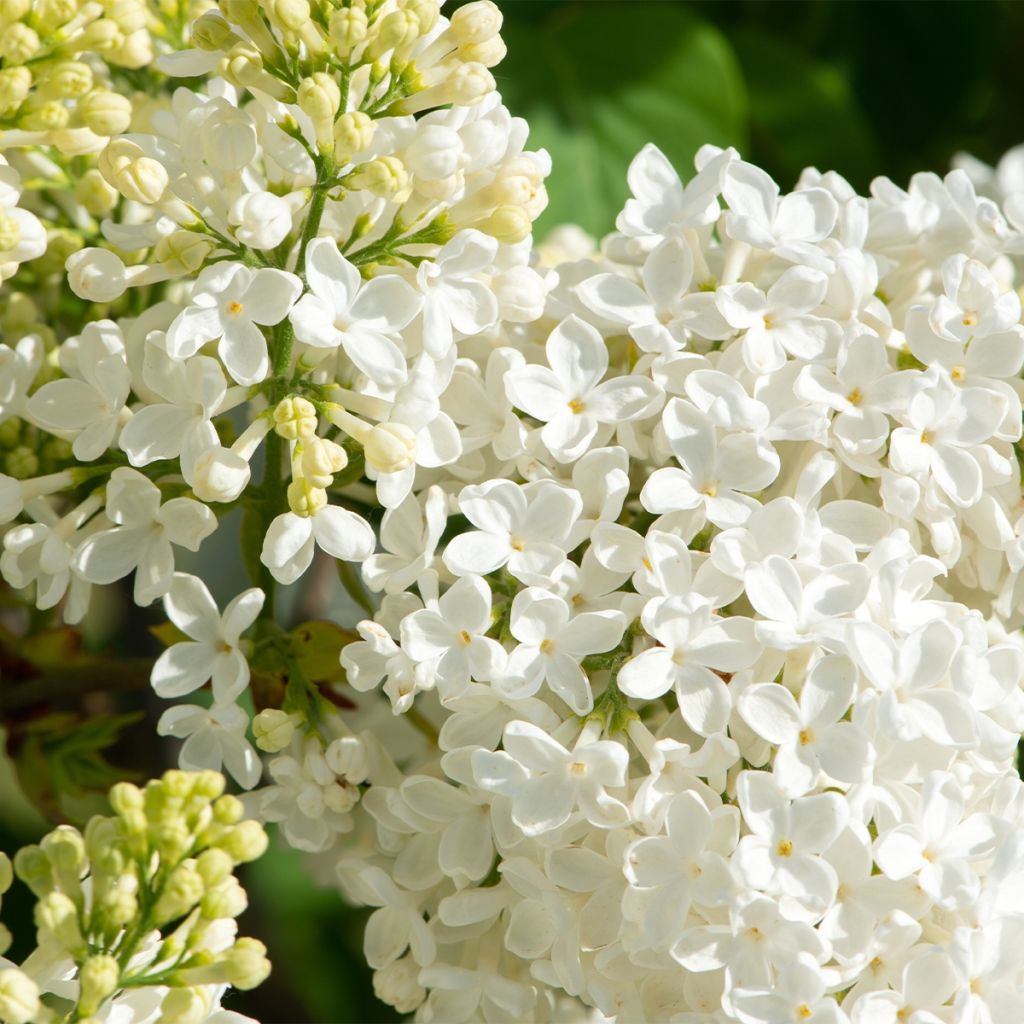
column 106, row 113
column 6, row 873
column 132, row 173
column 211, row 32
column 385, row 177
column 207, row 785
column 130, row 15
column 274, row 729
column 390, row 447
column 348, row 29
column 33, row 867
column 247, row 964
column 214, row 866
column 184, row 1006
column 15, row 84
column 245, row 842
column 125, row 798
column 225, row 900
column 48, row 15
column 66, row 850
column 395, row 30
column 172, row 839
column 319, row 98
column 228, row 810
column 118, row 906
column 5, row 939
column 98, row 36
column 488, row 53
column 21, row 463
column 18, row 43
column 182, row 891
column 295, row 418
column 508, row 224
column 476, row 22
column 176, row 784
column 70, row 79
column 56, row 918
column 353, row 132
column 304, row 499
column 98, row 978
column 19, row 997
column 291, row 15
column 48, row 116
column 182, row 252
column 15, row 10
column 426, row 11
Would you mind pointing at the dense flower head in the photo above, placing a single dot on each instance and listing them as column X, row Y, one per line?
column 688, row 685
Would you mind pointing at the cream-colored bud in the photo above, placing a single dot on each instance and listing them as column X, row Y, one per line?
column 224, row 900
column 469, row 84
column 65, row 848
column 207, row 785
column 56, row 918
column 274, row 729
column 304, row 499
column 489, row 53
column 6, row 939
column 19, row 997
column 427, row 12
column 48, row 15
column 353, row 132
column 321, row 459
column 135, row 52
column 15, row 84
column 105, row 112
column 244, row 842
column 348, row 29
column 214, row 866
column 181, row 892
column 125, row 797
column 33, row 867
column 184, row 1006
column 119, row 906
column 228, row 810
column 319, row 96
column 15, row 10
column 97, row 275
column 98, row 36
column 247, row 964
column 6, row 873
column 70, row 79
column 390, row 447
column 508, row 224
column 385, row 177
column 97, row 978
column 294, row 418
column 47, row 116
column 211, row 32
column 130, row 15
column 395, row 30
column 136, row 176
column 476, row 22
column 18, row 43
column 182, row 252
column 291, row 15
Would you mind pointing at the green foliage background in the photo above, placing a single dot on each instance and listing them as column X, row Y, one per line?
column 865, row 88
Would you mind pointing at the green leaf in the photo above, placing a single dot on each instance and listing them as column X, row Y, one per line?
column 597, row 82
column 802, row 112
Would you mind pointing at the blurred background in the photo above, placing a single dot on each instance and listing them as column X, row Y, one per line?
column 859, row 87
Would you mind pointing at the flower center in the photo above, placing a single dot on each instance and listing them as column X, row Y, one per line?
column 464, row 638
column 546, row 646
column 855, row 397
column 958, row 373
column 577, row 406
column 803, row 1011
column 927, row 437
column 805, row 736
column 785, row 848
column 234, row 308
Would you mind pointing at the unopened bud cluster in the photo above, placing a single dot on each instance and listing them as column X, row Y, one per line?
column 144, row 898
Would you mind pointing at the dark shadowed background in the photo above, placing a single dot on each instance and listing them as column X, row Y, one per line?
column 864, row 88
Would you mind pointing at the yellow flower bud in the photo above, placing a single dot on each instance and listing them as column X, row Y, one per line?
column 48, row 15
column 294, row 418
column 476, row 22
column 304, row 499
column 97, row 978
column 228, row 810
column 207, row 785
column 18, row 43
column 469, row 83
column 184, row 1006
column 134, row 175
column 211, row 32
column 56, row 918
column 214, row 866
column 182, row 891
column 15, row 10
column 488, row 53
column 426, row 11
column 44, row 116
column 319, row 97
column 105, row 112
column 33, row 867
column 69, row 79
column 244, row 842
column 182, row 252
column 97, row 37
column 353, row 132
column 129, row 15
column 385, row 177
column 390, row 447
column 321, row 459
column 291, row 15
column 19, row 997
column 15, row 84
column 247, row 964
column 395, row 30
column 274, row 729
column 224, row 900
column 508, row 224
column 348, row 29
